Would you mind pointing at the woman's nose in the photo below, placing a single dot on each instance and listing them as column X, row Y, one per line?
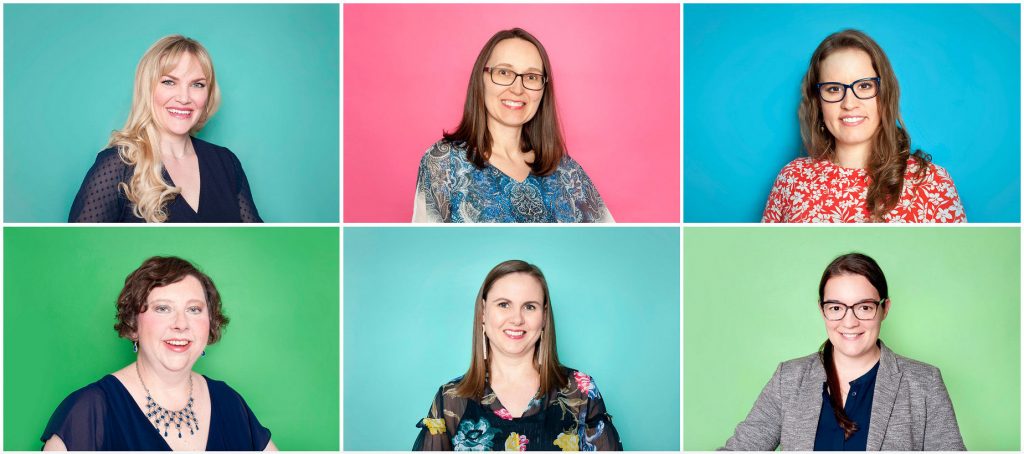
column 180, row 322
column 850, row 100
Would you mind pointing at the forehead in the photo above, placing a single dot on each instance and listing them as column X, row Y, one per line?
column 187, row 289
column 847, row 65
column 516, row 287
column 183, row 64
column 849, row 288
column 518, row 53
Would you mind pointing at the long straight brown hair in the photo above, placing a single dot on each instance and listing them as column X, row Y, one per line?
column 856, row 264
column 474, row 381
column 890, row 148
column 542, row 134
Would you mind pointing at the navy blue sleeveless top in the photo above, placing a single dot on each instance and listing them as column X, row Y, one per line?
column 103, row 416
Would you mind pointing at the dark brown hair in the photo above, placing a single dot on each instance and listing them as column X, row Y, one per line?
column 542, row 134
column 856, row 264
column 546, row 353
column 158, row 272
column 890, row 148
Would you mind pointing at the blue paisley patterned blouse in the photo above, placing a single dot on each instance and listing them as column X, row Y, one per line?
column 572, row 418
column 450, row 188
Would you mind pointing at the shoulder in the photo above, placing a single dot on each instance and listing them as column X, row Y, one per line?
column 444, row 149
column 799, row 366
column 222, row 390
column 91, row 396
column 110, row 159
column 581, row 382
column 208, row 149
column 916, row 370
column 799, row 165
column 934, row 172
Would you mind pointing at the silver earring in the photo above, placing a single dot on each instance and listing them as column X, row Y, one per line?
column 484, row 343
column 135, row 346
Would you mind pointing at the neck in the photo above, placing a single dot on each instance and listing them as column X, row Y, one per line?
column 156, row 378
column 853, row 157
column 852, row 368
column 505, row 141
column 175, row 147
column 516, row 369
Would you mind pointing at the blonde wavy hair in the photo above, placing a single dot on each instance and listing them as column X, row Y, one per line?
column 138, row 141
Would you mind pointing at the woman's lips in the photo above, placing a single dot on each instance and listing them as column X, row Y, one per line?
column 514, row 334
column 181, row 114
column 177, row 345
column 513, row 105
column 851, row 336
column 852, row 121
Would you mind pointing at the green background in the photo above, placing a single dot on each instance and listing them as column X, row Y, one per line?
column 68, row 79
column 279, row 287
column 751, row 303
column 409, row 294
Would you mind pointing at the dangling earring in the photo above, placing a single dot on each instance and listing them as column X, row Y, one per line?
column 484, row 343
column 204, row 353
column 135, row 346
column 540, row 351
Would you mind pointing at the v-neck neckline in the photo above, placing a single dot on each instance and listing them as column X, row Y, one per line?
column 140, row 414
column 510, row 177
column 501, row 406
column 199, row 167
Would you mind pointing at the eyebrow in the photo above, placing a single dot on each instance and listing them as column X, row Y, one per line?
column 506, row 300
column 176, row 79
column 865, row 300
column 506, row 65
column 165, row 300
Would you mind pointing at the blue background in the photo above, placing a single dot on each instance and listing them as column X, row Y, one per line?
column 959, row 72
column 69, row 72
column 409, row 294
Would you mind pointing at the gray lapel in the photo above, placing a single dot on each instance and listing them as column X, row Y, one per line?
column 887, row 384
column 808, row 410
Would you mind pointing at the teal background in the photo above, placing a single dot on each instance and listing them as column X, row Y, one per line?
column 278, row 286
column 68, row 79
column 409, row 295
column 751, row 303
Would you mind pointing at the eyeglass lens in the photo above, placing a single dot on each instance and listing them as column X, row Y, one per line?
column 835, row 92
column 837, row 311
column 503, row 76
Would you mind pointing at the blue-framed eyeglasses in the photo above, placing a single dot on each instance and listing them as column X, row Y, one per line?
column 866, row 88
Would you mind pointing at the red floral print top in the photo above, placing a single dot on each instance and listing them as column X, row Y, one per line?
column 807, row 190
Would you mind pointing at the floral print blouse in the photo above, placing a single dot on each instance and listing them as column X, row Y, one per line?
column 821, row 191
column 449, row 188
column 572, row 418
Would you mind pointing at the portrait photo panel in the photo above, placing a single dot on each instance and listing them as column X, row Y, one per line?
column 953, row 306
column 279, row 351
column 615, row 68
column 409, row 328
column 957, row 67
column 69, row 73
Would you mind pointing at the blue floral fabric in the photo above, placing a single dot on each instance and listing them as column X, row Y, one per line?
column 450, row 188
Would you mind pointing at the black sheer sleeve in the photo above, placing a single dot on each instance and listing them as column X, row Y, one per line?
column 80, row 420
column 246, row 206
column 100, row 198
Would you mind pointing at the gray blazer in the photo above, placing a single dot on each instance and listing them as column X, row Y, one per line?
column 911, row 410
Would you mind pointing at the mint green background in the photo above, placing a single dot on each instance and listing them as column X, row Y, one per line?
column 409, row 295
column 279, row 287
column 68, row 77
column 751, row 303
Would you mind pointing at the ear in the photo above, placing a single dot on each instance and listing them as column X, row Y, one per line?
column 885, row 311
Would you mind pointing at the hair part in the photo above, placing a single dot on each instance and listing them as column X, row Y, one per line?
column 159, row 272
column 542, row 134
column 856, row 264
column 474, row 382
column 138, row 142
column 890, row 148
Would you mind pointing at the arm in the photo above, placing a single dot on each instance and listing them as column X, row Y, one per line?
column 54, row 444
column 271, row 446
column 942, row 198
column 777, row 207
column 762, row 430
column 599, row 431
column 100, row 198
column 246, row 206
column 587, row 203
column 430, row 197
column 434, row 431
column 941, row 432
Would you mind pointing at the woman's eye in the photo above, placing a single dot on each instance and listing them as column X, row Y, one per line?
column 161, row 309
column 866, row 85
column 531, row 307
column 503, row 305
column 195, row 310
column 533, row 77
column 504, row 72
column 199, row 85
column 167, row 82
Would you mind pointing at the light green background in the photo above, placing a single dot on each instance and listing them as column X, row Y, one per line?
column 751, row 303
column 279, row 286
column 409, row 295
column 68, row 77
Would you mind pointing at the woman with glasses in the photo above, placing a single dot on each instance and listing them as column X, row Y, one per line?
column 861, row 166
column 506, row 161
column 855, row 394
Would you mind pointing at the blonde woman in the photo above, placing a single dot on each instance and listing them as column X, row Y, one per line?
column 154, row 170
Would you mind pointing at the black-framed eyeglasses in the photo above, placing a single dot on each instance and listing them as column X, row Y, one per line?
column 864, row 310
column 506, row 77
column 866, row 88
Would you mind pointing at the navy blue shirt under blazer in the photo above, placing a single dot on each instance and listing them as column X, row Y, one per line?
column 103, row 416
column 830, row 437
column 224, row 194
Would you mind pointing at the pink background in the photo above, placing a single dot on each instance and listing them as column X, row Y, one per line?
column 616, row 73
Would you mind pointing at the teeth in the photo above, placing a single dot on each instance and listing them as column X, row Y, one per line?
column 178, row 343
column 850, row 336
column 180, row 112
column 852, row 119
column 514, row 333
column 513, row 103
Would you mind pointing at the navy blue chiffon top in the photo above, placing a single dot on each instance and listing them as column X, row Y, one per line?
column 103, row 416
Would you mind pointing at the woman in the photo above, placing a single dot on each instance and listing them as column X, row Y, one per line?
column 516, row 395
column 855, row 394
column 860, row 168
column 170, row 311
column 154, row 169
column 506, row 162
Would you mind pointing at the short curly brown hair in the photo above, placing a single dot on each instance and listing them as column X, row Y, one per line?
column 158, row 272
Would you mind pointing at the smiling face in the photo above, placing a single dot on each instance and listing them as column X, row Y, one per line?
column 513, row 315
column 179, row 98
column 513, row 105
column 853, row 121
column 850, row 336
column 175, row 327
